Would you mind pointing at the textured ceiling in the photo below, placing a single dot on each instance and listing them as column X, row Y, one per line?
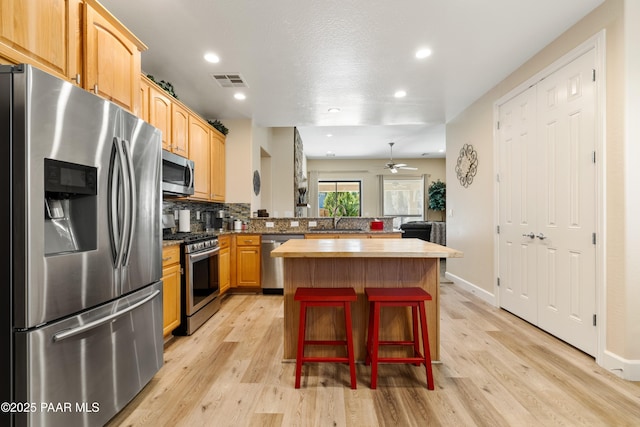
column 300, row 58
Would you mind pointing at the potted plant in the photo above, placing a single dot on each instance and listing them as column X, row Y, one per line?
column 437, row 197
column 168, row 87
column 217, row 124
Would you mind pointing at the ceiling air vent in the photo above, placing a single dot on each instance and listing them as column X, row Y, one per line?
column 229, row 80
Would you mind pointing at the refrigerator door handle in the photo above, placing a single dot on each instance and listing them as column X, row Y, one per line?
column 92, row 325
column 131, row 214
column 124, row 193
column 115, row 178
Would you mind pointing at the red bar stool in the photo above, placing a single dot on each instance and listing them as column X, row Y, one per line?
column 325, row 297
column 413, row 297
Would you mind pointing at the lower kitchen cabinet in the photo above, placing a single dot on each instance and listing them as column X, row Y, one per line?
column 224, row 266
column 247, row 260
column 171, row 288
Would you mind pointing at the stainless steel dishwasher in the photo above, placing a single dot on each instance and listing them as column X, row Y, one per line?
column 272, row 271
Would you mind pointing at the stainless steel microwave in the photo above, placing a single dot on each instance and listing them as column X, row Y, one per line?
column 177, row 175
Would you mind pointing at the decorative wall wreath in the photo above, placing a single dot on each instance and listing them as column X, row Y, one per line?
column 467, row 165
column 256, row 182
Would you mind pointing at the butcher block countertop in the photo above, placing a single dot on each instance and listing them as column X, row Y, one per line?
column 363, row 248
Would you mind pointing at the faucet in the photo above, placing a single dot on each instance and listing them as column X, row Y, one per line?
column 336, row 219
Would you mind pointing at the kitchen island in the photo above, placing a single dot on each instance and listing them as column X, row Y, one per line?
column 360, row 263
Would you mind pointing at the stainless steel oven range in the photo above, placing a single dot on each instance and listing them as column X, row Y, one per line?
column 200, row 281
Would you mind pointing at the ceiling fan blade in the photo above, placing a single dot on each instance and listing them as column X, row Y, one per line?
column 409, row 168
column 400, row 165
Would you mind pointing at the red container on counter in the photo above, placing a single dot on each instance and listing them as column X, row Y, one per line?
column 377, row 225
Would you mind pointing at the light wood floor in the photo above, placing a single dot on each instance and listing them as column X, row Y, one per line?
column 496, row 371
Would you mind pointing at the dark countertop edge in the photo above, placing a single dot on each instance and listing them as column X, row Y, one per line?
column 166, row 243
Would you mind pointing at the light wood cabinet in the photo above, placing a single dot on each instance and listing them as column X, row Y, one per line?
column 171, row 285
column 179, row 129
column 200, row 153
column 224, row 263
column 166, row 114
column 160, row 114
column 111, row 58
column 145, row 89
column 186, row 134
column 248, row 260
column 218, row 166
column 44, row 33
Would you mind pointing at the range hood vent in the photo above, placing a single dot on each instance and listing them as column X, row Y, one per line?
column 229, row 80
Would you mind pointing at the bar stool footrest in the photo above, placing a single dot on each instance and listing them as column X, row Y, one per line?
column 324, row 342
column 396, row 342
column 418, row 360
column 325, row 359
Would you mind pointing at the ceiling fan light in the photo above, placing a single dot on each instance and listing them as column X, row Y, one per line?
column 394, row 170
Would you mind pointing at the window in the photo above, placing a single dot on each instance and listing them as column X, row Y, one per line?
column 339, row 198
column 403, row 198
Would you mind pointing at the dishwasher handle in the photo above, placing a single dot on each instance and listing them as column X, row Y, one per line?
column 271, row 242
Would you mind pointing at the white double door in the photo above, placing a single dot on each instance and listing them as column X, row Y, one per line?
column 547, row 204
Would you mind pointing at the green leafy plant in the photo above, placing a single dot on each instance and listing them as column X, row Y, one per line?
column 219, row 126
column 437, row 196
column 168, row 87
column 342, row 203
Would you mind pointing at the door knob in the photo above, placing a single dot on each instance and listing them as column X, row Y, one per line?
column 530, row 235
column 541, row 236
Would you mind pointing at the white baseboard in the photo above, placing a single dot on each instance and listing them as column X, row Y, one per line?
column 470, row 287
column 624, row 368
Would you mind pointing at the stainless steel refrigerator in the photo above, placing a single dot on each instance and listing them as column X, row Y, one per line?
column 81, row 302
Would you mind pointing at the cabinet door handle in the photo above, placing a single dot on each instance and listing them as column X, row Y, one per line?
column 166, row 259
column 77, row 79
column 95, row 88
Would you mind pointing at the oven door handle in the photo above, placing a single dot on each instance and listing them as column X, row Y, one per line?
column 199, row 256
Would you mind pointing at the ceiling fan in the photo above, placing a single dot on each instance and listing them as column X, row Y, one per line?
column 393, row 167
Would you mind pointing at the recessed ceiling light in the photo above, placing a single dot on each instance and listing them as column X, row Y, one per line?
column 441, row 151
column 400, row 94
column 331, row 154
column 423, row 53
column 329, row 135
column 240, row 96
column 211, row 57
column 333, row 110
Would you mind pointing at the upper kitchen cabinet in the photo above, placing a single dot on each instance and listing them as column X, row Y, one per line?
column 200, row 153
column 160, row 115
column 179, row 130
column 44, row 33
column 218, row 172
column 111, row 58
column 168, row 115
column 145, row 88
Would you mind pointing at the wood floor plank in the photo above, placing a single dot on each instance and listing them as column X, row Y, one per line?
column 496, row 370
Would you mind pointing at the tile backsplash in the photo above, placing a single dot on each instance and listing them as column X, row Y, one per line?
column 241, row 211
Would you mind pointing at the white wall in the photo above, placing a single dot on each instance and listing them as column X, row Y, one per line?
column 239, row 167
column 245, row 146
column 471, row 226
column 282, row 172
